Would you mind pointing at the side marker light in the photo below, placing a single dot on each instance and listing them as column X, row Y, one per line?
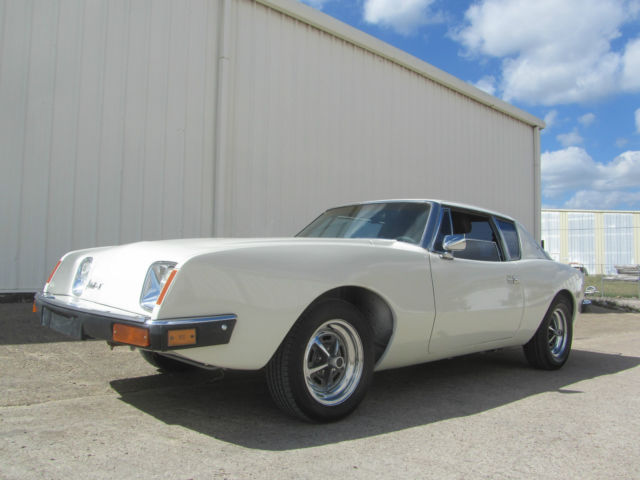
column 177, row 338
column 130, row 335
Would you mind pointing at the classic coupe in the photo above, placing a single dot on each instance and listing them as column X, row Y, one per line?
column 363, row 288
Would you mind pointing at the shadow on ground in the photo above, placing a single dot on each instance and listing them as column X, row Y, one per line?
column 239, row 410
column 20, row 326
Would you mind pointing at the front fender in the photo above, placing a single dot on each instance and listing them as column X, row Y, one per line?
column 268, row 288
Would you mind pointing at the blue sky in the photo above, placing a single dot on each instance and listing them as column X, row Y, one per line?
column 573, row 63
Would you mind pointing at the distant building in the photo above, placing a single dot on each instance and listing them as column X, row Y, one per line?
column 598, row 239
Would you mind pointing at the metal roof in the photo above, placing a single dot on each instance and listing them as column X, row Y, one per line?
column 328, row 24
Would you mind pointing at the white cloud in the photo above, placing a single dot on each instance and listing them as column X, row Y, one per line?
column 566, row 170
column 487, row 84
column 596, row 185
column 622, row 172
column 550, row 119
column 570, row 139
column 587, row 119
column 594, row 200
column 638, row 120
column 631, row 66
column 554, row 52
column 403, row 16
column 621, row 142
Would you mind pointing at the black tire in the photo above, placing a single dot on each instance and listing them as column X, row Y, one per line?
column 297, row 380
column 550, row 346
column 165, row 364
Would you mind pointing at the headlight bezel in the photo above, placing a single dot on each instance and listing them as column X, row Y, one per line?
column 154, row 282
column 81, row 278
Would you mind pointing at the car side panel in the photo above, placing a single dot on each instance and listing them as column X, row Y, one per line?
column 542, row 280
column 476, row 303
column 268, row 287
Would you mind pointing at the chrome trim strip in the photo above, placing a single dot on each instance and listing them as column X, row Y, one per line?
column 72, row 304
column 48, row 299
column 180, row 321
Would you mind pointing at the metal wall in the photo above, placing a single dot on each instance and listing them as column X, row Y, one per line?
column 319, row 121
column 109, row 112
column 106, row 126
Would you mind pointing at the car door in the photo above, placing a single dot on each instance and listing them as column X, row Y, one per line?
column 478, row 296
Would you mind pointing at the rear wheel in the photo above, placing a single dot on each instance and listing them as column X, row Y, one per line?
column 323, row 367
column 550, row 346
column 165, row 364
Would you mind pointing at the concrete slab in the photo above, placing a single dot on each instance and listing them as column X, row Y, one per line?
column 78, row 410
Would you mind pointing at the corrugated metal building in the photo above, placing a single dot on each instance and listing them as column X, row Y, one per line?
column 598, row 239
column 123, row 120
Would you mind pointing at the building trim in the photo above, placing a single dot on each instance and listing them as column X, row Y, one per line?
column 544, row 209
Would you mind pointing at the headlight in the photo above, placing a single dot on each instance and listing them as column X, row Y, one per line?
column 82, row 276
column 154, row 282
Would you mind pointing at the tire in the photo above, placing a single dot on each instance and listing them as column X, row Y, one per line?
column 165, row 364
column 550, row 346
column 323, row 368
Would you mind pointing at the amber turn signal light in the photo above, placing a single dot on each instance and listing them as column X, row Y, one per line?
column 53, row 272
column 178, row 338
column 166, row 286
column 130, row 335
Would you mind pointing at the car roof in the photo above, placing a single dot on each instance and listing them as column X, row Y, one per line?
column 446, row 203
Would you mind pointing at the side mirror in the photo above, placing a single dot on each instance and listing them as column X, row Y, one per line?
column 454, row 243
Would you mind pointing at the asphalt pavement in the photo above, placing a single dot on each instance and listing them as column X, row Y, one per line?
column 79, row 410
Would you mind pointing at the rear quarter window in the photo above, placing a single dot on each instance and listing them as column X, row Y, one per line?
column 530, row 248
column 510, row 236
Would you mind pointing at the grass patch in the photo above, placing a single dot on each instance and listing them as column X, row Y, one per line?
column 612, row 288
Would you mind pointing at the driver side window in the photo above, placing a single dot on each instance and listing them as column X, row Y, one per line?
column 482, row 242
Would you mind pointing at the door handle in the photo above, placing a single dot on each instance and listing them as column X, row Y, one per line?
column 513, row 279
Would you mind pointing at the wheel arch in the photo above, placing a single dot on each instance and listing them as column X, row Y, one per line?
column 372, row 306
column 566, row 294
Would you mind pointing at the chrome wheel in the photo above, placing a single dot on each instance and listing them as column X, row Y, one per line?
column 557, row 333
column 324, row 366
column 333, row 362
column 550, row 346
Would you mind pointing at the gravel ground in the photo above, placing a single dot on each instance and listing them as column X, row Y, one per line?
column 77, row 410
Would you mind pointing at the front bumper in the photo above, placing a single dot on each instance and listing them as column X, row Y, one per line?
column 81, row 322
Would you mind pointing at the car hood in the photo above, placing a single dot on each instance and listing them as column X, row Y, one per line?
column 117, row 273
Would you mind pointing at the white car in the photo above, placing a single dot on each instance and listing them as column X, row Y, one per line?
column 363, row 288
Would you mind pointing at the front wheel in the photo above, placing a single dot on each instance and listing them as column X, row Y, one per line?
column 550, row 346
column 323, row 367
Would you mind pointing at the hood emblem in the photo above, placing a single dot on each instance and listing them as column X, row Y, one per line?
column 95, row 285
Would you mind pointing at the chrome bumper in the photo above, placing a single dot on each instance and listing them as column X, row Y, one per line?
column 82, row 322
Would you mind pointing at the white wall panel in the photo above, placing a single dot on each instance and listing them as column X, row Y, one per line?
column 318, row 121
column 582, row 239
column 618, row 241
column 106, row 120
column 551, row 234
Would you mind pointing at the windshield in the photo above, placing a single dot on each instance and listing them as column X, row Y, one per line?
column 404, row 221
